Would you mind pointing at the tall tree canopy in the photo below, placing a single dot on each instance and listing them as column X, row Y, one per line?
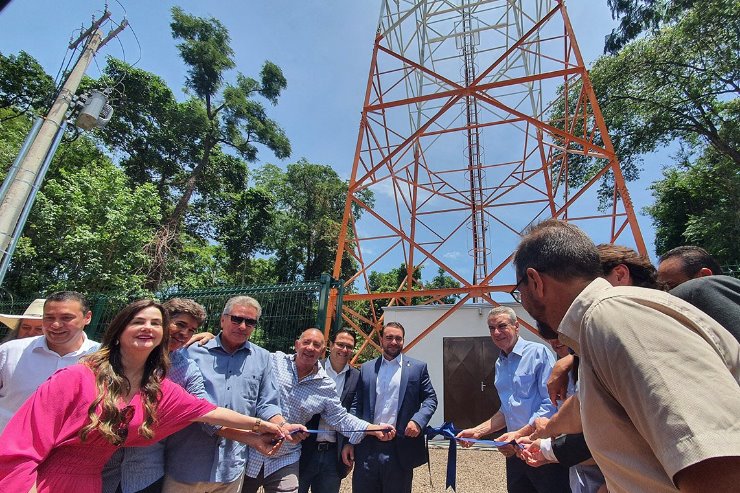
column 680, row 84
column 676, row 84
column 196, row 151
column 638, row 16
column 24, row 84
column 698, row 203
column 309, row 202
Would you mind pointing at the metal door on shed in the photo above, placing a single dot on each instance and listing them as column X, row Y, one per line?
column 469, row 394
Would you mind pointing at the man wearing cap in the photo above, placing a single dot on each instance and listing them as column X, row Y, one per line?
column 27, row 363
column 26, row 325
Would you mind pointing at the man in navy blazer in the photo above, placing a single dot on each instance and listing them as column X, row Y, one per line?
column 393, row 389
column 321, row 466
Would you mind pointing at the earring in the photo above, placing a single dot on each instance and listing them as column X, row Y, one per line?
column 115, row 343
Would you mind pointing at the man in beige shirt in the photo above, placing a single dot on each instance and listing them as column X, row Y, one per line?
column 660, row 393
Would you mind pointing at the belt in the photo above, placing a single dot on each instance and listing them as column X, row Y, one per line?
column 323, row 446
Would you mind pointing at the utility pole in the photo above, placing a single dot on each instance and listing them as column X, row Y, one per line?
column 25, row 176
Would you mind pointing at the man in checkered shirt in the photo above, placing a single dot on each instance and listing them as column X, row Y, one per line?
column 305, row 390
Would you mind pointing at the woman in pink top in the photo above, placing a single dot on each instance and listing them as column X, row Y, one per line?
column 66, row 431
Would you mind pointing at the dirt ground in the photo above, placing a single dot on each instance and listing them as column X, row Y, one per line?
column 478, row 471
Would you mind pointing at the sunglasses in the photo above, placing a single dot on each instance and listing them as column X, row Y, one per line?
column 127, row 414
column 249, row 322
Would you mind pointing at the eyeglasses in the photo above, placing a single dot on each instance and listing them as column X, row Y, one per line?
column 249, row 322
column 515, row 292
column 341, row 345
column 127, row 414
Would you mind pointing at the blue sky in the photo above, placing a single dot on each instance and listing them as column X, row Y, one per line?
column 323, row 47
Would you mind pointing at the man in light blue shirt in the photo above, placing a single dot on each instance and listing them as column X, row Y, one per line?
column 522, row 369
column 237, row 375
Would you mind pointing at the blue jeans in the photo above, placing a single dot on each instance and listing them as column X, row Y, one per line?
column 320, row 474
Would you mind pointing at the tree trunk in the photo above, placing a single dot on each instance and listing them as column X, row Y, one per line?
column 161, row 245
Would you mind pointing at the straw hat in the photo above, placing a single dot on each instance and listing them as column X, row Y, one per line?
column 35, row 311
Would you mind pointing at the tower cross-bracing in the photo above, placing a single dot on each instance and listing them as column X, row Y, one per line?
column 479, row 120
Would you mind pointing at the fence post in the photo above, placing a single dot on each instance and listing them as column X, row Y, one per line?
column 98, row 311
column 325, row 282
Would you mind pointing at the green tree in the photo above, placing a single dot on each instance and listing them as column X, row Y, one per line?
column 248, row 220
column 395, row 279
column 196, row 151
column 309, row 203
column 24, row 85
column 698, row 203
column 638, row 16
column 443, row 280
column 87, row 229
column 678, row 85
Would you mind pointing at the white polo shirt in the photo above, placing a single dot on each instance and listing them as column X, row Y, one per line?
column 25, row 364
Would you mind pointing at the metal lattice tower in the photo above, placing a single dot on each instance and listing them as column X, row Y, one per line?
column 448, row 78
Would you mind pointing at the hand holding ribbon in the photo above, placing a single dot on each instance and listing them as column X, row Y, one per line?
column 448, row 430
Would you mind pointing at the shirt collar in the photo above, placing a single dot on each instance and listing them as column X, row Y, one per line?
column 42, row 343
column 398, row 360
column 319, row 373
column 518, row 348
column 570, row 326
column 330, row 369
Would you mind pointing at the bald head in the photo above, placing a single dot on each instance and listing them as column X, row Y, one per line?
column 311, row 333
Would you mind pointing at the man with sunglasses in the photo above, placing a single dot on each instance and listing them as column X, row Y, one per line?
column 237, row 375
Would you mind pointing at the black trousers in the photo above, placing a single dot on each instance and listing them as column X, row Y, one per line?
column 377, row 469
column 521, row 478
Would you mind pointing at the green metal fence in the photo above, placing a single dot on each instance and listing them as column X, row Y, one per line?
column 287, row 309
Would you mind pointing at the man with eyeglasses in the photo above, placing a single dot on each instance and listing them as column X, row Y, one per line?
column 321, row 466
column 397, row 390
column 237, row 375
column 658, row 379
column 521, row 373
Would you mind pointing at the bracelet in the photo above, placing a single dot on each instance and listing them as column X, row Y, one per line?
column 256, row 426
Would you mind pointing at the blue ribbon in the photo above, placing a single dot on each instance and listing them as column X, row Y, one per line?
column 448, row 431
column 314, row 432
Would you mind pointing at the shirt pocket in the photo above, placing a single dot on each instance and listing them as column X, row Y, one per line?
column 250, row 387
column 525, row 385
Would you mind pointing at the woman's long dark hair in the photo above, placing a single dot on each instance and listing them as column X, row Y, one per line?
column 112, row 384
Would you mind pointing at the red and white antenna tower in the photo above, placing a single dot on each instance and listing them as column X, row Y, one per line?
column 478, row 119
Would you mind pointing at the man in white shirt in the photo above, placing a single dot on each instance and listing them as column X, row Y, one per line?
column 397, row 390
column 27, row 363
column 321, row 465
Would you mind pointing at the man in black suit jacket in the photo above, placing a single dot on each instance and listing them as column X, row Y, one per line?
column 321, row 466
column 397, row 390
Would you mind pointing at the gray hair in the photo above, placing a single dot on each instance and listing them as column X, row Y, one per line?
column 558, row 249
column 499, row 310
column 242, row 301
